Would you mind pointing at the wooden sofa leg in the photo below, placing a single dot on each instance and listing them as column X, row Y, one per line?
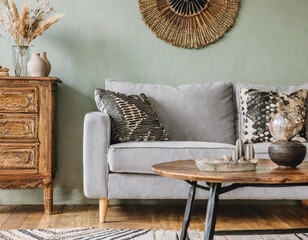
column 305, row 202
column 103, row 205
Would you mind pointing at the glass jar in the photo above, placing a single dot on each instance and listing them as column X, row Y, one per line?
column 21, row 57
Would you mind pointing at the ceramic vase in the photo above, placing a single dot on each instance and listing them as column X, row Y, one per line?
column 37, row 66
column 44, row 57
column 287, row 153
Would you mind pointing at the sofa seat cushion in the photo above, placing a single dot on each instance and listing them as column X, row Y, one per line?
column 138, row 157
column 261, row 150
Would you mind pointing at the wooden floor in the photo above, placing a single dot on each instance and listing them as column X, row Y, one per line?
column 153, row 217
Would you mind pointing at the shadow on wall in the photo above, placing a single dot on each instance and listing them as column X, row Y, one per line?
column 72, row 106
column 86, row 66
column 87, row 63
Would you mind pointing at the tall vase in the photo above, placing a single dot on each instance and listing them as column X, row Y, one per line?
column 44, row 57
column 21, row 56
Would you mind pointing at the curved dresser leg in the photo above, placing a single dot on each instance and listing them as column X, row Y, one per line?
column 48, row 199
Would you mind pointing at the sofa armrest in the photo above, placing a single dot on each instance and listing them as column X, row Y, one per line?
column 96, row 142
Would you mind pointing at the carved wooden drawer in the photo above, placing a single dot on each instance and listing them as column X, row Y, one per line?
column 18, row 99
column 19, row 156
column 27, row 134
column 18, row 126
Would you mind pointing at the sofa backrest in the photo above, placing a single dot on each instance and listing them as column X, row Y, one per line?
column 285, row 89
column 196, row 112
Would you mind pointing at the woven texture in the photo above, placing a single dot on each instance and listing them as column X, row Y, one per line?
column 258, row 107
column 133, row 117
column 125, row 234
column 189, row 24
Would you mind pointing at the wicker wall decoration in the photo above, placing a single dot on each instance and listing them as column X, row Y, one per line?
column 189, row 23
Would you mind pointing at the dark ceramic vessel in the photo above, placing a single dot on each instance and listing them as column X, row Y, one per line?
column 287, row 153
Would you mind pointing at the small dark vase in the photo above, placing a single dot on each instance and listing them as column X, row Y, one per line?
column 287, row 153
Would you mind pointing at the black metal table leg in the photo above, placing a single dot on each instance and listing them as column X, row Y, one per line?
column 215, row 190
column 188, row 211
column 211, row 211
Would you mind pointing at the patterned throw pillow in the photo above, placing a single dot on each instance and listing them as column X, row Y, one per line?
column 133, row 117
column 258, row 107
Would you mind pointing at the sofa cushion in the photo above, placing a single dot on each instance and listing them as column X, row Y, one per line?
column 285, row 89
column 133, row 117
column 199, row 112
column 138, row 157
column 258, row 107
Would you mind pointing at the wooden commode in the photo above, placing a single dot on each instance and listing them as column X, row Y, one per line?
column 28, row 134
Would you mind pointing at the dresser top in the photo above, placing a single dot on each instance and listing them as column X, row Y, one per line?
column 31, row 78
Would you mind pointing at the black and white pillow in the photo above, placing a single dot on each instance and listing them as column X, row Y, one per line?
column 133, row 117
column 258, row 107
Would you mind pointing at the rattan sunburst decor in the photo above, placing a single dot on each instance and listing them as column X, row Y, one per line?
column 189, row 23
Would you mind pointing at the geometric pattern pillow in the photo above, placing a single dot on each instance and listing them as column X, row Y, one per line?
column 133, row 117
column 258, row 107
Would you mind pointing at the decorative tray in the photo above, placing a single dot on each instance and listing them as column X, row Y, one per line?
column 242, row 159
column 222, row 165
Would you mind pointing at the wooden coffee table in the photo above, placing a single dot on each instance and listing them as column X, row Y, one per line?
column 267, row 174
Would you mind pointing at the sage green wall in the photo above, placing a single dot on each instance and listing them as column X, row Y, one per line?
column 107, row 38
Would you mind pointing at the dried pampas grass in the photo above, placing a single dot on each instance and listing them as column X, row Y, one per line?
column 30, row 24
column 24, row 16
column 45, row 25
column 15, row 14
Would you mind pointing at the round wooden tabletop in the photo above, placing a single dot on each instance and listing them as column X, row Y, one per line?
column 267, row 172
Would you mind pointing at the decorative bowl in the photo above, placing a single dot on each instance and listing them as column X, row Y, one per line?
column 221, row 165
column 287, row 153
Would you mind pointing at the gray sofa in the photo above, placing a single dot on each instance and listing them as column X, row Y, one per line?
column 200, row 120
